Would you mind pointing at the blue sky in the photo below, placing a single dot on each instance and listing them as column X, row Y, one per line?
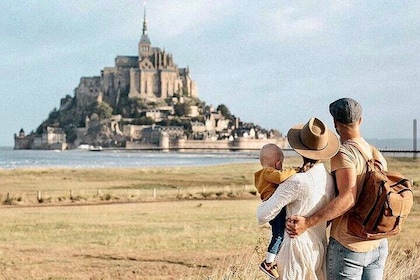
column 274, row 63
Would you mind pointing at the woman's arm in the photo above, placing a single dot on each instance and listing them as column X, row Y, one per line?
column 285, row 193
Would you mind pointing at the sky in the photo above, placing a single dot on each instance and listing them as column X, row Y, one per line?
column 273, row 63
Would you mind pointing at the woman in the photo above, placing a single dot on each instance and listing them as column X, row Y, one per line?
column 303, row 257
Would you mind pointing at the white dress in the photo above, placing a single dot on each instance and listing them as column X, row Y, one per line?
column 303, row 194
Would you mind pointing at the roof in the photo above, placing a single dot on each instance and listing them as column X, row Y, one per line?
column 144, row 39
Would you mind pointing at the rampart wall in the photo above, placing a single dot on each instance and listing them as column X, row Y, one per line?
column 238, row 144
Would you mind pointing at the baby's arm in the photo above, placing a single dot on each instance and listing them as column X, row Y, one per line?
column 278, row 176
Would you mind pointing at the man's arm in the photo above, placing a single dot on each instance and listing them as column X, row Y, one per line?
column 346, row 198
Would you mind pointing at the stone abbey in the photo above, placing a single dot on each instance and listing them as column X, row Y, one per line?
column 150, row 76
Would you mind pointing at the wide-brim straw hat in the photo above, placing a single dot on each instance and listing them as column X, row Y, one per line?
column 313, row 140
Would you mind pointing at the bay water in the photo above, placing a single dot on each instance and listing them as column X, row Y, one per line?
column 77, row 158
column 10, row 159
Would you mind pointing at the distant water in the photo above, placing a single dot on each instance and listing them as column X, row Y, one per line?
column 394, row 144
column 10, row 159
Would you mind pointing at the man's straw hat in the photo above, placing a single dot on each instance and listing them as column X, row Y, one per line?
column 313, row 140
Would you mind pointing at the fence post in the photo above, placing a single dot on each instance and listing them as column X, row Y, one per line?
column 39, row 196
column 154, row 192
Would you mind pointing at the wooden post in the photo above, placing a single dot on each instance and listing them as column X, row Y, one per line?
column 414, row 138
column 39, row 196
column 154, row 192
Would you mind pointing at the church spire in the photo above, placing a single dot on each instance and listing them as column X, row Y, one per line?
column 145, row 48
column 144, row 21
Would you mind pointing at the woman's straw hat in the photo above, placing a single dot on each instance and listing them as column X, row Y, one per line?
column 313, row 140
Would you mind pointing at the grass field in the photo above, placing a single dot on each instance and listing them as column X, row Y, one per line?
column 171, row 223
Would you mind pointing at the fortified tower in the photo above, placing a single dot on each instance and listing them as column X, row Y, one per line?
column 157, row 76
column 145, row 47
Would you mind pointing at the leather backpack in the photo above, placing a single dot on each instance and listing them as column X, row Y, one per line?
column 384, row 203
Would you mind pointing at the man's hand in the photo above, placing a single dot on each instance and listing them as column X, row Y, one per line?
column 296, row 225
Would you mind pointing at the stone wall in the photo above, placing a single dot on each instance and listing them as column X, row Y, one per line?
column 238, row 144
column 256, row 144
column 23, row 142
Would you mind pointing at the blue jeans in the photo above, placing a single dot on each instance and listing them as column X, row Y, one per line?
column 277, row 228
column 343, row 263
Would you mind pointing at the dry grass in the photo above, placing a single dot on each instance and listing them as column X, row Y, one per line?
column 74, row 185
column 192, row 230
column 158, row 240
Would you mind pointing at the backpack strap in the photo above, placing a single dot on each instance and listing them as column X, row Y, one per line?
column 357, row 146
column 369, row 166
column 371, row 162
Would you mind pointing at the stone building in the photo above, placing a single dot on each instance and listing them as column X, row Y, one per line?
column 150, row 76
column 23, row 141
column 53, row 138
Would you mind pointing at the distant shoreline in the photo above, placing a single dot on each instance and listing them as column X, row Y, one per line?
column 210, row 149
column 397, row 145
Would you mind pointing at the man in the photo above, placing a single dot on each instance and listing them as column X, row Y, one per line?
column 348, row 256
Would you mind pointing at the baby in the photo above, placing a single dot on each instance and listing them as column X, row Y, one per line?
column 266, row 182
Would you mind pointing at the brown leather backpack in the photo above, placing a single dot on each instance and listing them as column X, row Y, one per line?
column 383, row 204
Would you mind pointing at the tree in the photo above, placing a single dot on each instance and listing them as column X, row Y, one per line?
column 276, row 133
column 145, row 121
column 104, row 110
column 54, row 115
column 71, row 134
column 224, row 111
column 182, row 109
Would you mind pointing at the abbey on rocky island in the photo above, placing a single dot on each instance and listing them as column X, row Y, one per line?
column 144, row 102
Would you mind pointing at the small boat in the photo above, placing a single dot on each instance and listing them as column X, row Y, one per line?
column 95, row 148
column 83, row 147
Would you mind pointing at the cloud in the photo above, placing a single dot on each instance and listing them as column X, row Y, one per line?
column 288, row 25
